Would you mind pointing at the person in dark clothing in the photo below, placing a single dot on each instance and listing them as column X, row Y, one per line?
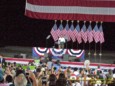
column 52, row 80
column 2, row 60
column 9, row 80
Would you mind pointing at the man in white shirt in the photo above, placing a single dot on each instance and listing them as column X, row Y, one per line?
column 61, row 42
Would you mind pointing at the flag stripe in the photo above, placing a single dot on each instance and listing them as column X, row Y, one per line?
column 86, row 3
column 54, row 32
column 54, row 35
column 96, row 33
column 77, row 34
column 71, row 33
column 89, row 10
column 101, row 35
column 84, row 33
column 89, row 34
column 57, row 16
column 71, row 9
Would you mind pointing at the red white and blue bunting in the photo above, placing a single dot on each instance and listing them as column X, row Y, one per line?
column 57, row 52
column 77, row 53
column 40, row 51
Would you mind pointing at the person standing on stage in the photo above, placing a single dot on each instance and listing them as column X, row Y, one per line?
column 61, row 42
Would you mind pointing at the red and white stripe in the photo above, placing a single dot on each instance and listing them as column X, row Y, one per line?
column 18, row 60
column 66, row 34
column 96, row 36
column 54, row 34
column 72, row 35
column 79, row 38
column 101, row 37
column 89, row 10
column 101, row 34
column 92, row 65
column 63, row 63
column 84, row 33
column 75, row 33
column 89, row 34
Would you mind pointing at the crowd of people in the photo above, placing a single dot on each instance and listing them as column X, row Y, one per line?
column 52, row 74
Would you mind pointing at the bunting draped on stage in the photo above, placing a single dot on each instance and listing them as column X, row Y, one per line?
column 88, row 10
column 57, row 52
column 77, row 53
column 40, row 51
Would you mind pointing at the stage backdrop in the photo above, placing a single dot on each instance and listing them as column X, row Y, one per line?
column 58, row 53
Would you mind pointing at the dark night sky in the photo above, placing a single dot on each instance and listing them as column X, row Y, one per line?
column 17, row 29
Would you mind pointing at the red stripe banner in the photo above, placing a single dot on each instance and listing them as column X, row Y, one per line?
column 89, row 10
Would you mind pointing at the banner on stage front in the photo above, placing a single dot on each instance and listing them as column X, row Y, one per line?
column 57, row 53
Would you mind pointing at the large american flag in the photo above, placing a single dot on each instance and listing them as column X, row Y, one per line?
column 84, row 33
column 78, row 34
column 89, row 10
column 54, row 32
column 89, row 33
column 96, row 33
column 101, row 34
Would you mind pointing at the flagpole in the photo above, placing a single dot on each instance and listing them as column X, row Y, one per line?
column 54, row 41
column 89, row 51
column 77, row 45
column 84, row 42
column 46, row 43
column 100, row 54
column 84, row 45
column 95, row 53
column 77, row 41
column 67, row 38
column 72, row 42
column 89, row 47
